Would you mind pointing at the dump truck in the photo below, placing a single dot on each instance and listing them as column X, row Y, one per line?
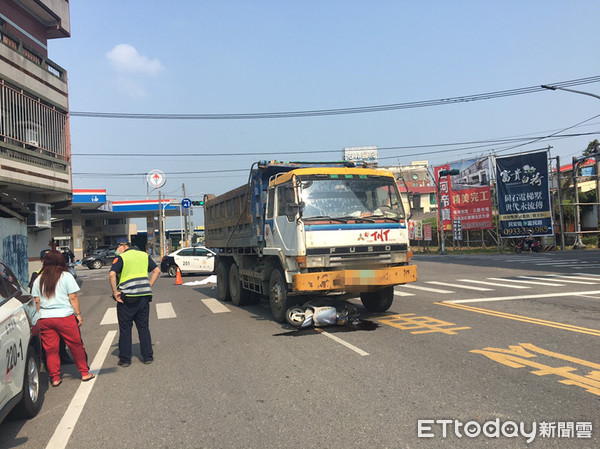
column 300, row 230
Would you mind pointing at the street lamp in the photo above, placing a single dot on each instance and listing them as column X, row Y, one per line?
column 441, row 222
column 578, row 243
column 545, row 86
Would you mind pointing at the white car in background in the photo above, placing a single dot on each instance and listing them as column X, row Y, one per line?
column 197, row 259
column 20, row 349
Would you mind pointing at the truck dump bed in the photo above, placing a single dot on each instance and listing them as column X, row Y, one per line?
column 228, row 221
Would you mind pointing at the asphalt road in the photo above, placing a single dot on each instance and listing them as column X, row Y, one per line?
column 488, row 340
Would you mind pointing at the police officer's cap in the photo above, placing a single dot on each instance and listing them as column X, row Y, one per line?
column 123, row 241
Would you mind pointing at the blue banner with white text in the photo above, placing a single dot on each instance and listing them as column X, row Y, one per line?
column 524, row 195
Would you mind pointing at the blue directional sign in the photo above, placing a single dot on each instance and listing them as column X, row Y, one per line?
column 186, row 203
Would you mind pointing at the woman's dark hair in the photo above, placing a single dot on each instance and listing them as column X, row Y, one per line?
column 52, row 268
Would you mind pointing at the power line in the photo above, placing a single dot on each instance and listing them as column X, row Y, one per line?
column 338, row 111
column 481, row 143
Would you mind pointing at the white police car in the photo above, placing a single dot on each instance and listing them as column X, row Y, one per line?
column 197, row 259
column 20, row 349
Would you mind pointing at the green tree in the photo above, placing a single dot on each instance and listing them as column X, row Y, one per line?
column 592, row 148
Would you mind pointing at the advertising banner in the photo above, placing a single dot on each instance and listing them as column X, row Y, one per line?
column 411, row 229
column 466, row 196
column 524, row 195
column 427, row 232
column 418, row 230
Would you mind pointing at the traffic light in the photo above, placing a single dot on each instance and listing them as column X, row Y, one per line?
column 198, row 203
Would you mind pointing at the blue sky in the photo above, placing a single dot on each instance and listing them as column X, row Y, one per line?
column 219, row 57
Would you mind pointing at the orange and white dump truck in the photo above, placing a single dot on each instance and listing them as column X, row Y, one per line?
column 300, row 229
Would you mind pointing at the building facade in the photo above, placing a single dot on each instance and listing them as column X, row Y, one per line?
column 35, row 150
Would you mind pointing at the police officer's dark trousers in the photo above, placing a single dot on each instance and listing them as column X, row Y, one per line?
column 138, row 312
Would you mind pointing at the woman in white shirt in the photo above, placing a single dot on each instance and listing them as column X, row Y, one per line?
column 55, row 292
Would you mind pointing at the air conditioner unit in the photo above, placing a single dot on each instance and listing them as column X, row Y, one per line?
column 31, row 137
column 40, row 216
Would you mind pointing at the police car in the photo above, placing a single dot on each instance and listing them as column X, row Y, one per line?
column 20, row 349
column 197, row 259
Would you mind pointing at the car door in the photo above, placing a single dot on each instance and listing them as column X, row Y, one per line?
column 15, row 333
column 185, row 260
column 205, row 260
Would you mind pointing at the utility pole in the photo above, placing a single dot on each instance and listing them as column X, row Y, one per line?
column 161, row 226
column 185, row 219
column 578, row 242
column 560, row 209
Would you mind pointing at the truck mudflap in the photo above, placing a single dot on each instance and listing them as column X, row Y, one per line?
column 354, row 280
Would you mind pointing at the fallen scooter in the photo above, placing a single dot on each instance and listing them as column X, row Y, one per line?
column 319, row 313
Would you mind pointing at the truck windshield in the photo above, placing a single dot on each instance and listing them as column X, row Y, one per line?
column 350, row 198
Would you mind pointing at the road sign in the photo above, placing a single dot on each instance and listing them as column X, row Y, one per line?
column 186, row 203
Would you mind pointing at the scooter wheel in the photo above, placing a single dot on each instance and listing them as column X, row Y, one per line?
column 295, row 316
column 518, row 250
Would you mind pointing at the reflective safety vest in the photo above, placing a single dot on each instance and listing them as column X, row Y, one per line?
column 134, row 276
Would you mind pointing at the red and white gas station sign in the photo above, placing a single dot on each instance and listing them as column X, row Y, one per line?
column 156, row 178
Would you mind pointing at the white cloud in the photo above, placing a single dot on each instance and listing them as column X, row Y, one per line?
column 125, row 59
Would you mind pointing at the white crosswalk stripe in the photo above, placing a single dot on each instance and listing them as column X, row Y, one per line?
column 215, row 306
column 397, row 293
column 493, row 284
column 468, row 287
column 164, row 311
column 426, row 289
column 549, row 284
column 562, row 279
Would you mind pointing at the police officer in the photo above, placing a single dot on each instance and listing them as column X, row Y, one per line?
column 133, row 292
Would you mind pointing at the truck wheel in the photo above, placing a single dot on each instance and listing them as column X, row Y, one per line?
column 97, row 264
column 239, row 295
column 223, row 282
column 379, row 300
column 278, row 295
column 32, row 399
column 172, row 271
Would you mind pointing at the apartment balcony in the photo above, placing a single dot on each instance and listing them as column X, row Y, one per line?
column 35, row 155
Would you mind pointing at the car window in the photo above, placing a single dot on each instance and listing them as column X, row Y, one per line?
column 201, row 252
column 186, row 252
column 8, row 282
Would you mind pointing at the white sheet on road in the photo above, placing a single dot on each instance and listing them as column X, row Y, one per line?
column 209, row 280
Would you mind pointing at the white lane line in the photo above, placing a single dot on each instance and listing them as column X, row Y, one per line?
column 493, row 283
column 510, row 298
column 397, row 293
column 594, row 276
column 433, row 290
column 215, row 306
column 66, row 425
column 528, row 282
column 165, row 310
column 342, row 342
column 468, row 287
column 110, row 316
